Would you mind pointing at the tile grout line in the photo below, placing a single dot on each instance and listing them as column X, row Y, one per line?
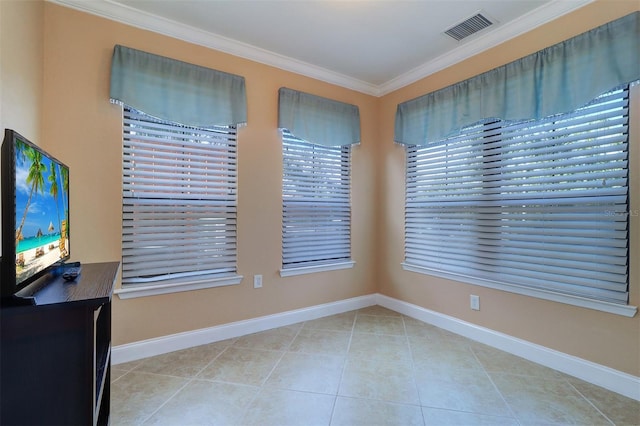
column 284, row 351
column 383, row 401
column 241, row 415
column 413, row 369
column 469, row 348
column 212, row 361
column 344, row 366
column 165, row 402
column 115, row 380
column 190, row 380
column 484, row 370
column 261, row 388
column 591, row 403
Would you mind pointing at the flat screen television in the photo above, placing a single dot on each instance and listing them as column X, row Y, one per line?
column 35, row 213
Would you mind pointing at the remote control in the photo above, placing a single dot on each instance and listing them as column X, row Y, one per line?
column 71, row 274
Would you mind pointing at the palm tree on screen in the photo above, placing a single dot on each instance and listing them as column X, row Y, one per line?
column 53, row 189
column 35, row 178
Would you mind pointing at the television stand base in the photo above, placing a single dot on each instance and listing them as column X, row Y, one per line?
column 17, row 301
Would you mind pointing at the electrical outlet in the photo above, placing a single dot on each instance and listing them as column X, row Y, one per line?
column 475, row 302
column 257, row 281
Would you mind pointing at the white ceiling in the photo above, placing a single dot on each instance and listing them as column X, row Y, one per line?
column 373, row 46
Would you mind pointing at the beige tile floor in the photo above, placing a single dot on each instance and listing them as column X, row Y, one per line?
column 367, row 367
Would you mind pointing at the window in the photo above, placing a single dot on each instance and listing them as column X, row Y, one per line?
column 178, row 204
column 537, row 207
column 316, row 207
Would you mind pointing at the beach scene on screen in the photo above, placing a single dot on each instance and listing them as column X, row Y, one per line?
column 42, row 211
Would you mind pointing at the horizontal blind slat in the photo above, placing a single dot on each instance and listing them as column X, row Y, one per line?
column 315, row 203
column 179, row 200
column 543, row 203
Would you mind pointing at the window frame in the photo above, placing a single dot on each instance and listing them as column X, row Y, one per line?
column 199, row 189
column 632, row 214
column 291, row 220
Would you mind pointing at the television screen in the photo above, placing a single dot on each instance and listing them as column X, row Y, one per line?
column 41, row 208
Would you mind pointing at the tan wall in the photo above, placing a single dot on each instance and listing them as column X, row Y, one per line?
column 84, row 130
column 21, row 67
column 600, row 337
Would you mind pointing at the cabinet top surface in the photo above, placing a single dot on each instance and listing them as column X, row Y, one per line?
column 94, row 285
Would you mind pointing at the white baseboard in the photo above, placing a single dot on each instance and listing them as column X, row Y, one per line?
column 608, row 378
column 174, row 342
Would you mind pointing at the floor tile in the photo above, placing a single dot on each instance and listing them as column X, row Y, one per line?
column 453, row 339
column 366, row 412
column 136, row 396
column 276, row 407
column 461, row 390
column 321, row 342
column 365, row 367
column 308, row 372
column 242, row 366
column 619, row 409
column 536, row 400
column 441, row 339
column 339, row 322
column 374, row 379
column 382, row 347
column 415, row 328
column 428, row 354
column 494, row 360
column 378, row 310
column 378, row 324
column 439, row 417
column 203, row 402
column 116, row 373
column 184, row 363
column 131, row 365
column 277, row 339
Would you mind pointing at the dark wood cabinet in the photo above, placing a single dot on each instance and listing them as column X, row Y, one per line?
column 55, row 356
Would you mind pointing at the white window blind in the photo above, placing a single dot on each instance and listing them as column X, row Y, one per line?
column 540, row 204
column 178, row 201
column 316, row 207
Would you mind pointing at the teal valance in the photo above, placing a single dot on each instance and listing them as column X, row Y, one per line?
column 177, row 91
column 318, row 120
column 558, row 79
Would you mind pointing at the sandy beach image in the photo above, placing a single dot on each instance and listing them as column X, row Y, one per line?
column 36, row 259
column 41, row 211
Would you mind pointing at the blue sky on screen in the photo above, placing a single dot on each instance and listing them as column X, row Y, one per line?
column 42, row 208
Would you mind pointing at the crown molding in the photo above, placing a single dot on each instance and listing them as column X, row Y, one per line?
column 130, row 16
column 537, row 17
column 146, row 21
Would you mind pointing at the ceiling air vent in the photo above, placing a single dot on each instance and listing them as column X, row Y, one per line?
column 468, row 26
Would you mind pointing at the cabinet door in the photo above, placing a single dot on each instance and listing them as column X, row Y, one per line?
column 45, row 365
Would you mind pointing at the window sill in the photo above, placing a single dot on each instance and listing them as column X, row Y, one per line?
column 612, row 308
column 289, row 272
column 133, row 290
